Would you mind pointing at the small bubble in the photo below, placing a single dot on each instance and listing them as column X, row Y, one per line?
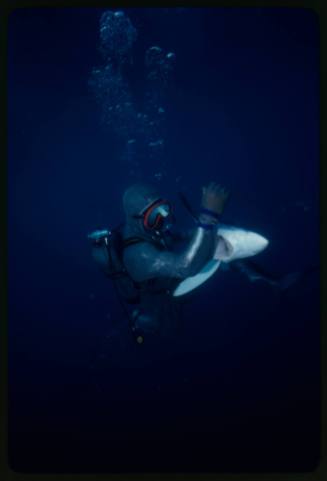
column 158, row 143
column 158, row 175
column 155, row 49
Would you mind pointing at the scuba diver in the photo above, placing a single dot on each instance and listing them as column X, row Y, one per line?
column 153, row 265
column 142, row 256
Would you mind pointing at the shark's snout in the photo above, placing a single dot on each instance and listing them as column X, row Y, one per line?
column 258, row 242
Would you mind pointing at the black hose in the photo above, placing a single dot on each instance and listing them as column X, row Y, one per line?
column 137, row 333
column 188, row 206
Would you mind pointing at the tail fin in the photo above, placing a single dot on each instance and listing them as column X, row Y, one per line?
column 281, row 284
column 289, row 280
column 294, row 278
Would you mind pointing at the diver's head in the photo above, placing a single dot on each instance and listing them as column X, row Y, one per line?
column 144, row 205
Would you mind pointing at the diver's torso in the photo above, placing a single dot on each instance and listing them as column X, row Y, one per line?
column 154, row 286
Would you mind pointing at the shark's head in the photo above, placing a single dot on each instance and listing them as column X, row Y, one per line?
column 238, row 243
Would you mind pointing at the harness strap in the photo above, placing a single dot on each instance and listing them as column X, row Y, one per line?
column 132, row 240
column 123, row 273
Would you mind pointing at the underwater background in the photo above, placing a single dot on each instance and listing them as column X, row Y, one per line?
column 237, row 388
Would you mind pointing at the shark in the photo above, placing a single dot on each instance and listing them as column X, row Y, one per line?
column 238, row 244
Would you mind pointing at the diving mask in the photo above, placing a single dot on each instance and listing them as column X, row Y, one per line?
column 157, row 216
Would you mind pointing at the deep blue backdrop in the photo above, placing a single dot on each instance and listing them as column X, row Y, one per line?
column 238, row 388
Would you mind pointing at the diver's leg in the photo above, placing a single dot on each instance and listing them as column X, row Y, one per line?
column 144, row 321
column 146, row 317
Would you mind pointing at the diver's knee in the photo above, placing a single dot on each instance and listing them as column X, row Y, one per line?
column 145, row 321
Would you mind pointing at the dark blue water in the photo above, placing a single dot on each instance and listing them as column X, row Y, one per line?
column 238, row 388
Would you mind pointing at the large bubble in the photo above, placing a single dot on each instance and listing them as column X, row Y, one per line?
column 159, row 64
column 141, row 129
column 117, row 36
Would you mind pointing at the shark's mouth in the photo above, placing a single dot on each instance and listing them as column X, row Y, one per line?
column 224, row 249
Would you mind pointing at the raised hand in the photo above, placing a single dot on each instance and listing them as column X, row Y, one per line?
column 214, row 198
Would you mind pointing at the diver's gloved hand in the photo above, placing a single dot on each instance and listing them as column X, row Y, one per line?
column 214, row 198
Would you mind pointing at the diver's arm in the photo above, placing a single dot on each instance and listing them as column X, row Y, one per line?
column 144, row 261
column 182, row 235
